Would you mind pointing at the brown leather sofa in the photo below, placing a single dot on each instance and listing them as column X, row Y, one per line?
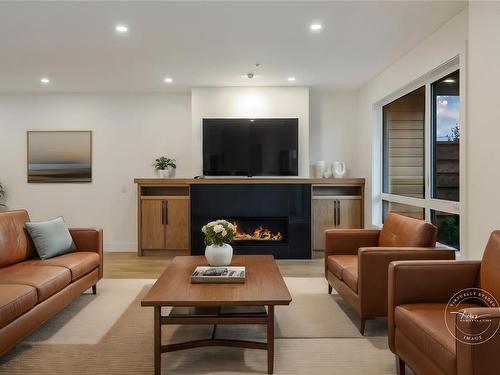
column 419, row 292
column 357, row 260
column 33, row 290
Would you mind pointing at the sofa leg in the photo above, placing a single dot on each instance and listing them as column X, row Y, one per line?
column 362, row 326
column 400, row 366
column 94, row 289
column 330, row 289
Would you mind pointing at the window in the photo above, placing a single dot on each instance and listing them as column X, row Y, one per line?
column 445, row 138
column 448, row 228
column 403, row 209
column 421, row 155
column 404, row 145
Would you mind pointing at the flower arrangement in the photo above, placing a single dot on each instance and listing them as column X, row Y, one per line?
column 218, row 232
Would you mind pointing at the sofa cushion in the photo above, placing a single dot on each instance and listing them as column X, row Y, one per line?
column 15, row 244
column 51, row 238
column 15, row 300
column 79, row 263
column 403, row 231
column 47, row 280
column 336, row 263
column 424, row 326
column 350, row 277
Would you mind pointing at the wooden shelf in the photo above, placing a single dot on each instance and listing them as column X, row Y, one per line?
column 250, row 180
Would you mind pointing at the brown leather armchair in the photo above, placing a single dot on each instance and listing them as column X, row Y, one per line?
column 357, row 260
column 419, row 292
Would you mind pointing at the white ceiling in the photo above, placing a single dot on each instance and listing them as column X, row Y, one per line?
column 206, row 43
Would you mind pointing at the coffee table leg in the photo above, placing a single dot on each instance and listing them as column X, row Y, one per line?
column 270, row 339
column 157, row 340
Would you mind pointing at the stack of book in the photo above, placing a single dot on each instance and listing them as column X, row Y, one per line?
column 203, row 274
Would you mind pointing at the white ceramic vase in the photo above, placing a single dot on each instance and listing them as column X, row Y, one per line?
column 218, row 256
column 163, row 173
column 319, row 169
column 339, row 169
column 171, row 173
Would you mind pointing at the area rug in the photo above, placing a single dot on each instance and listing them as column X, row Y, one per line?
column 112, row 334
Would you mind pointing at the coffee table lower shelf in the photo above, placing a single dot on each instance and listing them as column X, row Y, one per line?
column 215, row 316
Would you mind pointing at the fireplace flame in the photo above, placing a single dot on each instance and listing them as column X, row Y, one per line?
column 259, row 234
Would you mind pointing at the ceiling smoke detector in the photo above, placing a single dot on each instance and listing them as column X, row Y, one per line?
column 250, row 75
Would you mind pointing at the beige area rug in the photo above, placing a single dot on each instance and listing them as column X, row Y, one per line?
column 112, row 334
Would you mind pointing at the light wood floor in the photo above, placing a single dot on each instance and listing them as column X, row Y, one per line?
column 127, row 265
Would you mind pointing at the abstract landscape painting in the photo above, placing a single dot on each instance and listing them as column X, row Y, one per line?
column 59, row 156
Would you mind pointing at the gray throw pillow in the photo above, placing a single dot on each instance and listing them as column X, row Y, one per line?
column 51, row 238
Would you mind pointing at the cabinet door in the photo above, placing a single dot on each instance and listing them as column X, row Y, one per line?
column 323, row 218
column 177, row 223
column 349, row 212
column 153, row 229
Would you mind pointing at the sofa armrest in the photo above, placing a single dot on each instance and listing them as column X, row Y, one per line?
column 374, row 263
column 373, row 269
column 478, row 357
column 348, row 241
column 426, row 281
column 89, row 239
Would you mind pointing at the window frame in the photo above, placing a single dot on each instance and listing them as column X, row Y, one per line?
column 427, row 203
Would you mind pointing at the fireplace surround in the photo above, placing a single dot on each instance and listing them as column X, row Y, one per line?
column 271, row 219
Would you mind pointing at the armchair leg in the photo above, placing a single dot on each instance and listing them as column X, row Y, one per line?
column 362, row 326
column 329, row 289
column 94, row 289
column 400, row 366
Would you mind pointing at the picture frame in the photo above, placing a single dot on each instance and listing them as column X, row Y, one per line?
column 59, row 156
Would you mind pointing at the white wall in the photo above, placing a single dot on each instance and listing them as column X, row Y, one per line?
column 447, row 42
column 129, row 131
column 332, row 128
column 248, row 102
column 483, row 131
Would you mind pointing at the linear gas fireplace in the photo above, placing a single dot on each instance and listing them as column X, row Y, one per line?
column 269, row 218
column 260, row 231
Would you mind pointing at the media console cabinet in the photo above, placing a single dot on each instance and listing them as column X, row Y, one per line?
column 283, row 217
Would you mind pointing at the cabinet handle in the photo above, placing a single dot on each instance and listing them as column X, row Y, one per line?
column 337, row 221
column 338, row 212
column 335, row 213
column 163, row 220
column 166, row 212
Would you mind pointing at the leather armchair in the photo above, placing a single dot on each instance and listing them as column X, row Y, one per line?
column 357, row 260
column 419, row 292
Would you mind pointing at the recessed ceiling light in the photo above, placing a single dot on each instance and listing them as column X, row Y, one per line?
column 316, row 27
column 44, row 81
column 122, row 29
column 168, row 80
column 291, row 79
column 449, row 80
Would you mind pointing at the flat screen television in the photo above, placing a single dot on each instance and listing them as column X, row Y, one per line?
column 250, row 147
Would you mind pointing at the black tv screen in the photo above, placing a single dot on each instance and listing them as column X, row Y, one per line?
column 250, row 147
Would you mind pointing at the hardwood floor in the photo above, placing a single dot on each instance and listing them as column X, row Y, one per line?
column 127, row 265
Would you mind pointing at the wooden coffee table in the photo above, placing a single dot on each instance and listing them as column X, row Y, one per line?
column 218, row 303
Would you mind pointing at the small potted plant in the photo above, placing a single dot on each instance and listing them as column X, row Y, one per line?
column 165, row 167
column 218, row 236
